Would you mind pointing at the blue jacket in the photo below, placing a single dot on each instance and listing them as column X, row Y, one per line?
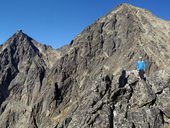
column 140, row 65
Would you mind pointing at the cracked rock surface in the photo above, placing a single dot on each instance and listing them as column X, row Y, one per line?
column 78, row 85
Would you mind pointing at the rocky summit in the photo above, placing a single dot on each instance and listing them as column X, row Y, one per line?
column 80, row 84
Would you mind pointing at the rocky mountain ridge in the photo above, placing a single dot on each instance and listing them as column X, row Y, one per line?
column 78, row 86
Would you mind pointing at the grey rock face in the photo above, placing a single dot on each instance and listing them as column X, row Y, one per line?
column 77, row 86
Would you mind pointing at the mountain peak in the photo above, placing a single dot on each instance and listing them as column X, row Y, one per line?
column 19, row 31
column 20, row 35
column 20, row 40
column 125, row 5
column 128, row 6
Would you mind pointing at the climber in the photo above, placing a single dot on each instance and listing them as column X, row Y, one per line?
column 141, row 68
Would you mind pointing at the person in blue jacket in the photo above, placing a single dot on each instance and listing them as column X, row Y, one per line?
column 141, row 68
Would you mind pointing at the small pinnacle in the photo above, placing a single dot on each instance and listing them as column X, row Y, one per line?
column 19, row 31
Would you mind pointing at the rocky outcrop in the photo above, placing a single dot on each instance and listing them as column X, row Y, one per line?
column 78, row 85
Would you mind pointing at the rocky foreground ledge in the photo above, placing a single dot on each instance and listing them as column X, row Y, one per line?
column 140, row 104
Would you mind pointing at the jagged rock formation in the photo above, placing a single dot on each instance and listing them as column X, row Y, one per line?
column 77, row 86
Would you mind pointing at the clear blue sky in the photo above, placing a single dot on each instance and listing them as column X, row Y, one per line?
column 57, row 22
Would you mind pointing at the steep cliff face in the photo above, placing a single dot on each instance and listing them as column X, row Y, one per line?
column 77, row 86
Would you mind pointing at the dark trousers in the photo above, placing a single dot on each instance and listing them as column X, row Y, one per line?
column 141, row 74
